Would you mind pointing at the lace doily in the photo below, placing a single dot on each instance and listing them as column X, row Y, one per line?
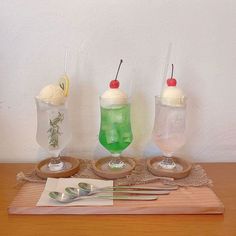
column 140, row 175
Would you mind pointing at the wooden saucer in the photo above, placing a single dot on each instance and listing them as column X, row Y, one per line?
column 72, row 167
column 152, row 165
column 101, row 169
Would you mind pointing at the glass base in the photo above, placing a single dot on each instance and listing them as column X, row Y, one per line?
column 56, row 165
column 116, row 163
column 167, row 163
column 105, row 166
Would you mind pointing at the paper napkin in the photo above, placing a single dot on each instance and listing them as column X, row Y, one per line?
column 60, row 184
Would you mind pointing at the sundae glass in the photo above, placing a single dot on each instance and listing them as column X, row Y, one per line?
column 53, row 132
column 169, row 130
column 169, row 126
column 115, row 128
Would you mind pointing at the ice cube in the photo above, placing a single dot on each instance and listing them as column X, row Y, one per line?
column 117, row 116
column 127, row 137
column 112, row 136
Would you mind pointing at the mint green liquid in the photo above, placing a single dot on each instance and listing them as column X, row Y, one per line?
column 115, row 129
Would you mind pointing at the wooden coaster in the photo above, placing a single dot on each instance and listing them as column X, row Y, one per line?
column 72, row 167
column 101, row 168
column 177, row 173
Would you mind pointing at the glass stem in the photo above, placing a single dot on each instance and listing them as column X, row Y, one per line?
column 167, row 162
column 116, row 162
column 56, row 164
column 115, row 155
column 56, row 160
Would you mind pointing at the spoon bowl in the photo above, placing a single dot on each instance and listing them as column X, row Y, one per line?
column 62, row 197
column 76, row 192
column 88, row 188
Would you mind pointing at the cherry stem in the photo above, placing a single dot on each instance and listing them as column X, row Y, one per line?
column 172, row 71
column 118, row 69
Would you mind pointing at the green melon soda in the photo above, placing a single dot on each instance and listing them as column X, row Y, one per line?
column 115, row 128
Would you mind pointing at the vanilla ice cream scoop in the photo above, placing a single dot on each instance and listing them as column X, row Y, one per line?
column 171, row 95
column 113, row 97
column 52, row 94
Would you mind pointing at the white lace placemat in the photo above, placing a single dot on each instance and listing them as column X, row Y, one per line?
column 140, row 175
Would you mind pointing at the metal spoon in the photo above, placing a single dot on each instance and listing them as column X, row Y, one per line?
column 80, row 192
column 66, row 198
column 92, row 190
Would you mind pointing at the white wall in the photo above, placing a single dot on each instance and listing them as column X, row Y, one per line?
column 33, row 37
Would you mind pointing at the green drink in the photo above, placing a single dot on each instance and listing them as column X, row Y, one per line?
column 115, row 130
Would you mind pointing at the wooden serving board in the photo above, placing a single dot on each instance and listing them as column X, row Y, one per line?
column 190, row 200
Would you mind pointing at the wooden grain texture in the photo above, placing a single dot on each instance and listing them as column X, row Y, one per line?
column 182, row 201
column 223, row 175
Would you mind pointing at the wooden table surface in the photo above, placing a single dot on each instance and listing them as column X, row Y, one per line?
column 222, row 174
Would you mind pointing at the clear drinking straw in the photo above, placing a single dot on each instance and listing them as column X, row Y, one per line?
column 168, row 56
column 65, row 61
column 131, row 84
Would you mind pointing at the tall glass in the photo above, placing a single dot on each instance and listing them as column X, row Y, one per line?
column 115, row 129
column 53, row 132
column 169, row 128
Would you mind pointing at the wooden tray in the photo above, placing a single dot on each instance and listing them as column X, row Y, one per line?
column 191, row 200
column 113, row 174
column 71, row 163
column 176, row 174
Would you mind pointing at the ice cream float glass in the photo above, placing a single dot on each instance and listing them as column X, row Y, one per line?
column 169, row 128
column 115, row 133
column 53, row 131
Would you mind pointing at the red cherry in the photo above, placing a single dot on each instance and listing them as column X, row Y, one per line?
column 171, row 82
column 114, row 84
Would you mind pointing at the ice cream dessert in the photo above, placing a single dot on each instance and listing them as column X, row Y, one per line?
column 52, row 94
column 55, row 94
column 115, row 129
column 53, row 131
column 172, row 95
column 114, row 96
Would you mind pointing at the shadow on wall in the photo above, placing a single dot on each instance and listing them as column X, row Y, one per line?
column 194, row 119
column 83, row 108
column 140, row 112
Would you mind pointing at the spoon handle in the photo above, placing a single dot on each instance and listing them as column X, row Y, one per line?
column 127, row 197
column 120, row 197
column 143, row 192
column 146, row 187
